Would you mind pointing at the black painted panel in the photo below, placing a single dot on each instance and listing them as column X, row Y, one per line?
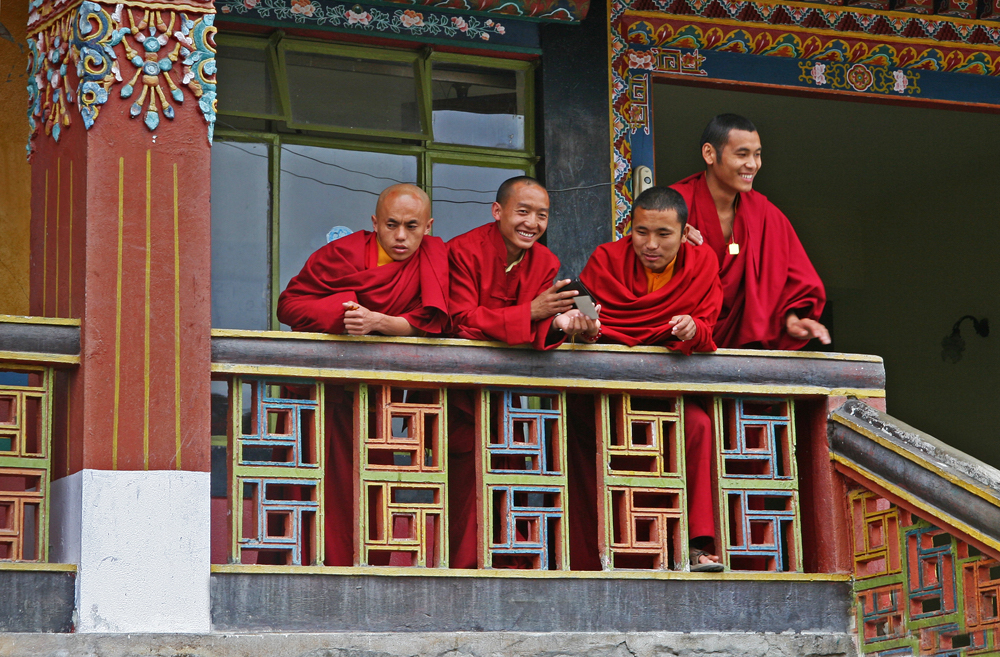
column 40, row 338
column 34, row 601
column 575, row 136
column 601, row 367
column 320, row 603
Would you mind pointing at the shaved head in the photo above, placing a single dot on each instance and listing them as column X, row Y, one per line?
column 393, row 191
column 402, row 218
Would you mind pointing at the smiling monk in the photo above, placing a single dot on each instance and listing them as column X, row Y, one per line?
column 656, row 288
column 501, row 289
column 393, row 281
column 773, row 296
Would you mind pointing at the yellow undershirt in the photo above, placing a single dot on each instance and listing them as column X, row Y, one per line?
column 655, row 281
column 383, row 257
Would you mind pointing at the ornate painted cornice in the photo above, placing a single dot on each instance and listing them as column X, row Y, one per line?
column 82, row 52
column 815, row 17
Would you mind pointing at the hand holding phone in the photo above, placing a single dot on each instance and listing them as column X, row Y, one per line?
column 584, row 301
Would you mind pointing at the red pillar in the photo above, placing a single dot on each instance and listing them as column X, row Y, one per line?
column 121, row 224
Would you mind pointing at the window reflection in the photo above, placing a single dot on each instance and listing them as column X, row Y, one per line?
column 240, row 270
column 244, row 81
column 322, row 188
column 478, row 106
column 450, row 218
column 352, row 93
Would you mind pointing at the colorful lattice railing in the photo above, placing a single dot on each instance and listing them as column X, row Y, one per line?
column 920, row 590
column 25, row 437
column 642, row 497
column 522, row 471
column 403, row 476
column 275, row 471
column 758, row 484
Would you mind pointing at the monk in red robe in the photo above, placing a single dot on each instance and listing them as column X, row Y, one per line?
column 656, row 288
column 501, row 289
column 393, row 281
column 502, row 280
column 772, row 295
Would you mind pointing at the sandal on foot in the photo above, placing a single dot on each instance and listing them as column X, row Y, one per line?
column 698, row 567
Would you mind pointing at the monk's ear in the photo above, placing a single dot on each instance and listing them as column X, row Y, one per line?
column 497, row 209
column 430, row 224
column 708, row 153
column 374, row 223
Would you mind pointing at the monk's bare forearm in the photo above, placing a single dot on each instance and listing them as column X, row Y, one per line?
column 391, row 325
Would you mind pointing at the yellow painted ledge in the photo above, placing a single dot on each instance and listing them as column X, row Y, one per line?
column 38, row 567
column 389, row 571
column 456, row 342
column 36, row 357
column 30, row 319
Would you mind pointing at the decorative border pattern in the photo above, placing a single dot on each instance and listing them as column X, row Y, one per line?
column 77, row 58
column 370, row 19
column 874, row 53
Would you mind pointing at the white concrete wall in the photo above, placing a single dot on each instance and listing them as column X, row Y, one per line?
column 141, row 542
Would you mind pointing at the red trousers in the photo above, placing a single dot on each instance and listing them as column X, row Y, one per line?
column 698, row 459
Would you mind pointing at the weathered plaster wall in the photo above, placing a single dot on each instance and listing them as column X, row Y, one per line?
column 15, row 174
column 896, row 209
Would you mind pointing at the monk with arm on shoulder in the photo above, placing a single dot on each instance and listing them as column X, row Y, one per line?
column 393, row 281
column 773, row 296
column 656, row 288
column 501, row 289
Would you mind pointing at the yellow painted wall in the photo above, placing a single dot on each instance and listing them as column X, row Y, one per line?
column 897, row 207
column 15, row 174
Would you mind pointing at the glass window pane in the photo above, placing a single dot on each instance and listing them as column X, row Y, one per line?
column 244, row 81
column 240, row 270
column 478, row 106
column 352, row 93
column 464, row 195
column 311, row 205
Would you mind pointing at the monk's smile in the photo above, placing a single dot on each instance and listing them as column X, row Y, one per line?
column 739, row 162
column 656, row 237
column 522, row 218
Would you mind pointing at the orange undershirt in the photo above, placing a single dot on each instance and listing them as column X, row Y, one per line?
column 655, row 281
column 384, row 258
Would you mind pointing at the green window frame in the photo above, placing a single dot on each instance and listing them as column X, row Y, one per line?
column 284, row 130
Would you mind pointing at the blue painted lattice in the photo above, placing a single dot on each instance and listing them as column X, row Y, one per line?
column 764, row 524
column 756, row 444
column 528, row 517
column 280, row 428
column 525, row 440
column 931, row 573
column 277, row 518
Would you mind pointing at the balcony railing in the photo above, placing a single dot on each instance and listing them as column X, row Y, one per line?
column 345, row 451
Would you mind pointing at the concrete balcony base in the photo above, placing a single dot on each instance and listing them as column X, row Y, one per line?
column 433, row 644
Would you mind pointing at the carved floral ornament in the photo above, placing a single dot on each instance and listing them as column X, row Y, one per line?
column 145, row 55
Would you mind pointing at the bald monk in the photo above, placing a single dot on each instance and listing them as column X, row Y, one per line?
column 392, row 281
column 502, row 279
column 501, row 289
column 772, row 295
column 656, row 288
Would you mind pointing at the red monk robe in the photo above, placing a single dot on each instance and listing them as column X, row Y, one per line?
column 487, row 303
column 490, row 302
column 631, row 315
column 347, row 269
column 769, row 277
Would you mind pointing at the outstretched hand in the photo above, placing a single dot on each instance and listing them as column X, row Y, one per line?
column 552, row 301
column 575, row 322
column 805, row 328
column 684, row 327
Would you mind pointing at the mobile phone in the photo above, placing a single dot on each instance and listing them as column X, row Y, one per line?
column 584, row 301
